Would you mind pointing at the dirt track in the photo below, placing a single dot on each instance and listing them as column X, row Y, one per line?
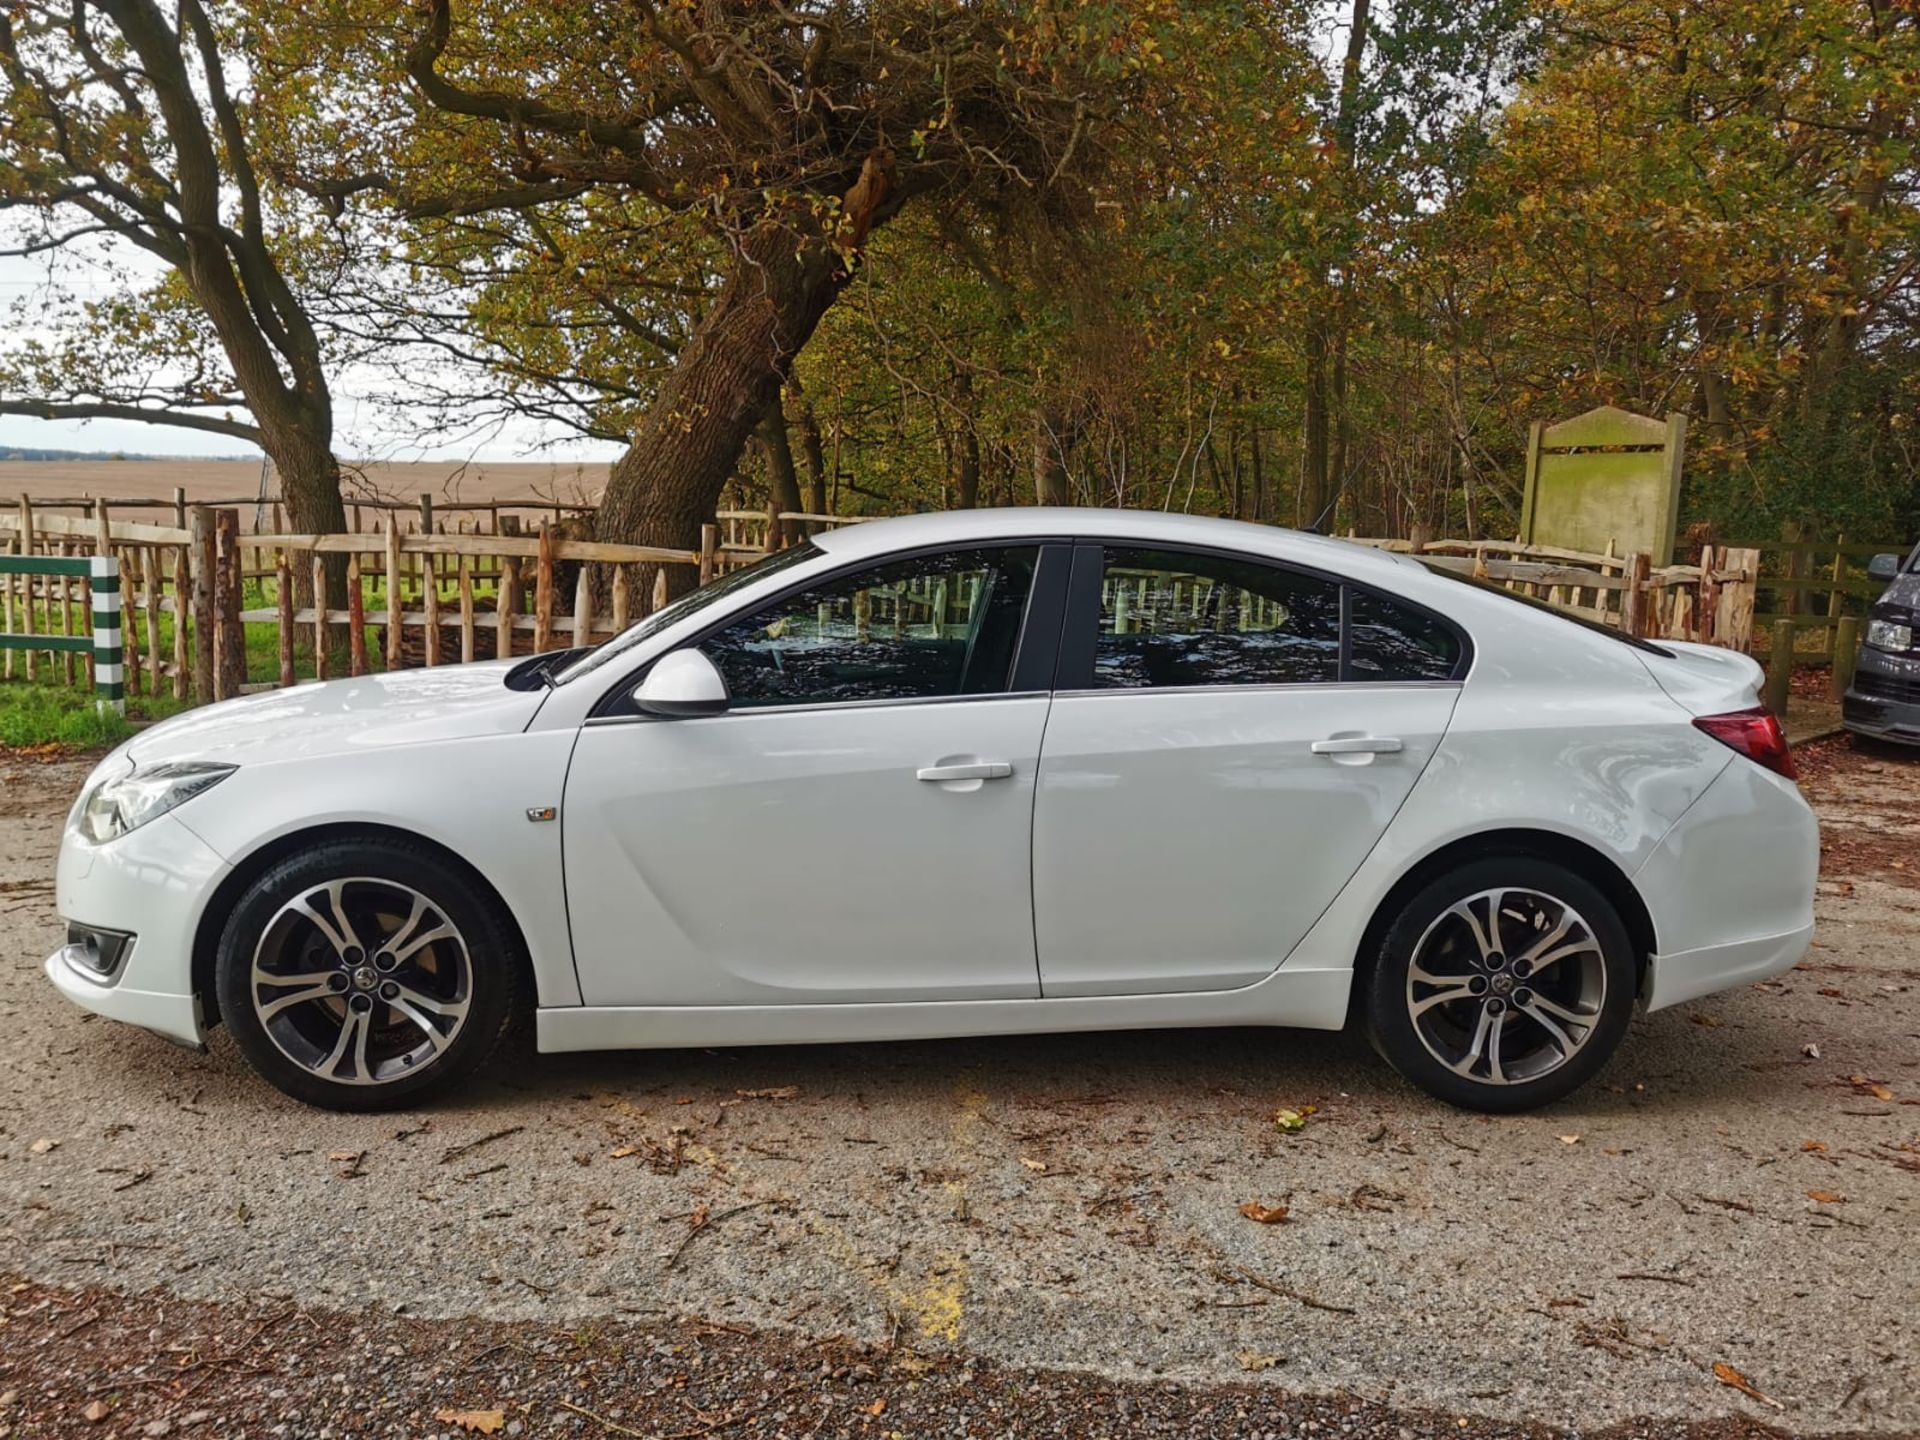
column 1071, row 1201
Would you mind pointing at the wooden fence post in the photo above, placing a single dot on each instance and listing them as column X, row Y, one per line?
column 1846, row 655
column 356, row 618
column 1780, row 667
column 1635, row 598
column 283, row 594
column 505, row 601
column 393, row 591
column 230, row 635
column 709, row 551
column 182, row 603
column 543, row 592
column 200, row 528
column 322, row 638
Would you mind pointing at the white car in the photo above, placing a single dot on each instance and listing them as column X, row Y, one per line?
column 979, row 773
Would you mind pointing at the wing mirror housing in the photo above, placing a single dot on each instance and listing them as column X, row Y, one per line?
column 1884, row 567
column 683, row 684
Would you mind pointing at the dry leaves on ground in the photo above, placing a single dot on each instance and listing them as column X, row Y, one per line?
column 481, row 1422
column 1264, row 1214
column 1727, row 1375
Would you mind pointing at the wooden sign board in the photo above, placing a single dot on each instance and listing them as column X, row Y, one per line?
column 1608, row 476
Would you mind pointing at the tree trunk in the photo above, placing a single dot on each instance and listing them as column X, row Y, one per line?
column 963, row 455
column 814, row 452
column 783, row 482
column 1310, row 501
column 668, row 483
column 1050, row 486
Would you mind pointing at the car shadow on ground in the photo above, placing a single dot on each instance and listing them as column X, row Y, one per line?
column 1681, row 1060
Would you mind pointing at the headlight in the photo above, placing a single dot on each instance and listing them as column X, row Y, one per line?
column 114, row 807
column 1886, row 635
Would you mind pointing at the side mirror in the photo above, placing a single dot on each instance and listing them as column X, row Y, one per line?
column 1884, row 567
column 682, row 684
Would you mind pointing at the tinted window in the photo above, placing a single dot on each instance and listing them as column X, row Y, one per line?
column 916, row 629
column 1394, row 642
column 1171, row 619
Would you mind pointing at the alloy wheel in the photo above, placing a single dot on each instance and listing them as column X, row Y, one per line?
column 361, row 981
column 1506, row 985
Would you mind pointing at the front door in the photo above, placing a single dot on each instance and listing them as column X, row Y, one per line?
column 856, row 826
column 1218, row 763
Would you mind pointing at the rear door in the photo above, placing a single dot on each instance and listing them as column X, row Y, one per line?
column 1228, row 740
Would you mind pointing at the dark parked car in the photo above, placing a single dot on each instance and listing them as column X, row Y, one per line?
column 1884, row 700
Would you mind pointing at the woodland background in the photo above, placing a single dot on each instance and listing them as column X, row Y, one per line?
column 1308, row 263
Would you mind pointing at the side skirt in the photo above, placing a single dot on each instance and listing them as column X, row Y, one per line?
column 1309, row 999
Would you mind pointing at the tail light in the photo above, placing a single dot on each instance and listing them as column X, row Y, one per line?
column 1756, row 734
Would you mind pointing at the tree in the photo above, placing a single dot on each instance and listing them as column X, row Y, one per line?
column 120, row 121
column 759, row 148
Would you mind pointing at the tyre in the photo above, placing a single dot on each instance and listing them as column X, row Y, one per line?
column 365, row 974
column 1502, row 985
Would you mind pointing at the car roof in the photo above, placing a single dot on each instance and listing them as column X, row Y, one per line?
column 875, row 538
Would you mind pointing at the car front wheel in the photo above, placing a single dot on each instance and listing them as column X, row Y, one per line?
column 1502, row 985
column 363, row 974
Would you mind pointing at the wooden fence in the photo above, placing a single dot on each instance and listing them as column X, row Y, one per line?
column 412, row 597
column 439, row 587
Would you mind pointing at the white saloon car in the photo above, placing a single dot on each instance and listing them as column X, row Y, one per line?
column 980, row 773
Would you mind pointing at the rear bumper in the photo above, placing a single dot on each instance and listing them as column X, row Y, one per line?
column 1672, row 979
column 1730, row 887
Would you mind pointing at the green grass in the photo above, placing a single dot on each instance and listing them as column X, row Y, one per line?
column 49, row 712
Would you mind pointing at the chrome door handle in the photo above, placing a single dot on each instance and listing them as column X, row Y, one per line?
column 976, row 770
column 1358, row 745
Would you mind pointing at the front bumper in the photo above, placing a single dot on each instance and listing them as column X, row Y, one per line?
column 1884, row 700
column 153, row 884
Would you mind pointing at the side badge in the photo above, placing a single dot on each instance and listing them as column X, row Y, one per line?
column 541, row 812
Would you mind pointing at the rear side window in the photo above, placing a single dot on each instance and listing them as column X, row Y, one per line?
column 1395, row 642
column 1174, row 619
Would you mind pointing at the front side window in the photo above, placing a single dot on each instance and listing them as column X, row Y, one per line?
column 923, row 628
column 1169, row 618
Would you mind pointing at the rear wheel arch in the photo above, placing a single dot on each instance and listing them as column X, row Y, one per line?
column 1599, row 868
column 213, row 920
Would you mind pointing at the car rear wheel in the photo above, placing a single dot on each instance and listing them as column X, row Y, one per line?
column 1502, row 985
column 364, row 974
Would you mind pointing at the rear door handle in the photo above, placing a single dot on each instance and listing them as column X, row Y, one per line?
column 974, row 770
column 1358, row 745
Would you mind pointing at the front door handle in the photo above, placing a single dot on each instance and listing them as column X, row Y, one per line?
column 972, row 770
column 1358, row 745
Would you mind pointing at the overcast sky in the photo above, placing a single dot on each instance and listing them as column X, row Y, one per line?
column 361, row 430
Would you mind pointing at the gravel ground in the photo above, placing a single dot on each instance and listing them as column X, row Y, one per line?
column 1741, row 1190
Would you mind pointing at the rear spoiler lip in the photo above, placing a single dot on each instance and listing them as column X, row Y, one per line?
column 1706, row 679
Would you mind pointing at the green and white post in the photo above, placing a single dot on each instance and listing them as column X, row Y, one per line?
column 109, row 650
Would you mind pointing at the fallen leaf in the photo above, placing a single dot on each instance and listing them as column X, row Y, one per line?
column 1263, row 1214
column 42, row 1146
column 95, row 1412
column 1826, row 1197
column 1569, row 1139
column 1727, row 1375
column 1701, row 1018
column 1291, row 1120
column 1811, row 1051
column 777, row 1092
column 1813, row 1145
column 878, row 1407
column 340, row 1157
column 621, row 1152
column 483, row 1422
column 1038, row 1167
column 1254, row 1360
column 1843, row 887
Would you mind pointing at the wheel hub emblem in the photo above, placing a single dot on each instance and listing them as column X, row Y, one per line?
column 365, row 978
column 1503, row 984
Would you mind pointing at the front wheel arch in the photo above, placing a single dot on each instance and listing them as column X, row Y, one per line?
column 213, row 920
column 1583, row 859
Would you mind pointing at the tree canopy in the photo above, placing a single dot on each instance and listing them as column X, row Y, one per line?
column 1315, row 262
